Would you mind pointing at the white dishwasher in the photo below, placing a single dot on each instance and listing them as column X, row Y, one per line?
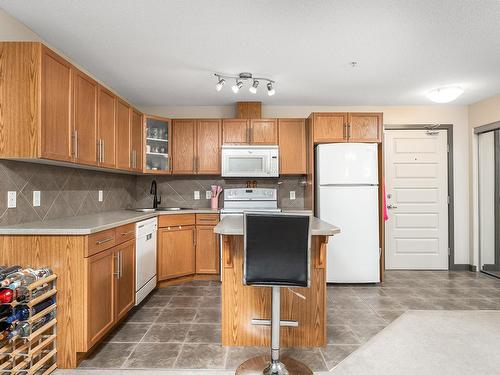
column 145, row 258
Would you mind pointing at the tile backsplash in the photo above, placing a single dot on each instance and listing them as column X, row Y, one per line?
column 64, row 191
column 67, row 191
column 178, row 191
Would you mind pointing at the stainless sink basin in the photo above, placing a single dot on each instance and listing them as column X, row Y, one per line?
column 142, row 209
column 172, row 208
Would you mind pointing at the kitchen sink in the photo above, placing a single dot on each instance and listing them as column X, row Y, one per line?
column 144, row 209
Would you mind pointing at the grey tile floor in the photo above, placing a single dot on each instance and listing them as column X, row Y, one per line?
column 179, row 327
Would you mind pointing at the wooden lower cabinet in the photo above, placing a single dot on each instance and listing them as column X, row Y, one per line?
column 207, row 250
column 110, row 291
column 125, row 279
column 176, row 251
column 100, row 293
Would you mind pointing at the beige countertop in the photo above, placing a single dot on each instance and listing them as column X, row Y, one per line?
column 88, row 224
column 233, row 226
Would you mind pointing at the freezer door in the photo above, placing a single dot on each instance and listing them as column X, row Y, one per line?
column 347, row 163
column 353, row 255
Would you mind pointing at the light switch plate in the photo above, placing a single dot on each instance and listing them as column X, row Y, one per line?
column 101, row 196
column 196, row 194
column 36, row 198
column 11, row 199
column 208, row 194
column 292, row 194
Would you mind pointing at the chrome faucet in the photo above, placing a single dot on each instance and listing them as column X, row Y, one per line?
column 154, row 191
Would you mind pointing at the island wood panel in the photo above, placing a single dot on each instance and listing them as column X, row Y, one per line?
column 106, row 129
column 65, row 256
column 241, row 304
column 365, row 127
column 293, row 146
column 264, row 132
column 123, row 145
column 208, row 143
column 183, row 146
column 85, row 91
column 56, row 124
column 19, row 99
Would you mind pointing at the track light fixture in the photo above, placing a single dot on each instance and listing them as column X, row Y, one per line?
column 240, row 78
column 253, row 89
column 219, row 84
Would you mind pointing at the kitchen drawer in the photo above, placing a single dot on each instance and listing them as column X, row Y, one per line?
column 125, row 233
column 177, row 219
column 100, row 241
column 207, row 219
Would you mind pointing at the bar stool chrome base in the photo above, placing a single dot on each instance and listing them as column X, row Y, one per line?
column 262, row 365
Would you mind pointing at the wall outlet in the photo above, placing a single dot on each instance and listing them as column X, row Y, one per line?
column 11, row 199
column 292, row 195
column 208, row 194
column 36, row 198
column 196, row 194
column 101, row 196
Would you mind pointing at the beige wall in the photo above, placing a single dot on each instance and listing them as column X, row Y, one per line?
column 484, row 112
column 455, row 115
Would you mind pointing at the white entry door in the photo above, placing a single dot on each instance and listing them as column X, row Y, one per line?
column 416, row 172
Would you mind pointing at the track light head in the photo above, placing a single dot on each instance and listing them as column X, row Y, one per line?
column 270, row 89
column 219, row 84
column 237, row 86
column 253, row 89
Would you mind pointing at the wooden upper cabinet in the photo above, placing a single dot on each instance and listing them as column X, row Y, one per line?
column 292, row 145
column 125, row 278
column 136, row 140
column 176, row 252
column 85, row 118
column 106, row 130
column 183, row 146
column 264, row 132
column 56, row 93
column 330, row 127
column 208, row 144
column 236, row 131
column 123, row 146
column 365, row 127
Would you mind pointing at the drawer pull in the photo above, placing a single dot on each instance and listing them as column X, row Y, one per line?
column 128, row 233
column 206, row 219
column 100, row 242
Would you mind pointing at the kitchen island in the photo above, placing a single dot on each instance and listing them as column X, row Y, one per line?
column 241, row 304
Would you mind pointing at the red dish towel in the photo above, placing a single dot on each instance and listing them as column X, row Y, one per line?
column 386, row 213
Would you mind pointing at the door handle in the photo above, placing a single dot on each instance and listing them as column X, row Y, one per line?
column 349, row 131
column 102, row 150
column 117, row 265
column 391, row 207
column 121, row 264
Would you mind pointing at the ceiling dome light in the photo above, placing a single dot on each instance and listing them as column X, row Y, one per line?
column 219, row 84
column 445, row 94
column 253, row 89
column 270, row 89
column 237, row 86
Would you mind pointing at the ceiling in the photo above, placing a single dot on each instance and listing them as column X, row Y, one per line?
column 164, row 52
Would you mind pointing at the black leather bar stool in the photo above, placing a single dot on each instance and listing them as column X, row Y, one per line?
column 277, row 254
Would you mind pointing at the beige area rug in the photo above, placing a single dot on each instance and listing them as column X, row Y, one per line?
column 431, row 342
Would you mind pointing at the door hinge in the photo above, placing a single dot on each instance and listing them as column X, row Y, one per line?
column 449, row 252
column 449, row 199
column 448, row 148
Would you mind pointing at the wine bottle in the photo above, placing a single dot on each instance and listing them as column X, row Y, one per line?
column 22, row 312
column 5, row 310
column 7, row 271
column 6, row 295
column 23, row 294
column 24, row 329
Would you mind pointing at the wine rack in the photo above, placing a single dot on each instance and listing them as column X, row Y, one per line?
column 34, row 352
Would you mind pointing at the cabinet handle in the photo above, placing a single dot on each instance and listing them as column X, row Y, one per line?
column 102, row 150
column 117, row 265
column 204, row 219
column 344, row 131
column 121, row 264
column 100, row 242
column 98, row 151
column 250, row 131
column 194, row 238
column 127, row 233
column 75, row 143
column 349, row 131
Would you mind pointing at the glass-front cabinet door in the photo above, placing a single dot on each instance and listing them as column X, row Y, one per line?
column 157, row 145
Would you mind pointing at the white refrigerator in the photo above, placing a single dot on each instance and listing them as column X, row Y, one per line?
column 347, row 196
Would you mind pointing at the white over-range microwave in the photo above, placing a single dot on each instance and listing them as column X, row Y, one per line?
column 250, row 161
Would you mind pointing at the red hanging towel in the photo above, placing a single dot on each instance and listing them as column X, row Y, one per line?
column 386, row 213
